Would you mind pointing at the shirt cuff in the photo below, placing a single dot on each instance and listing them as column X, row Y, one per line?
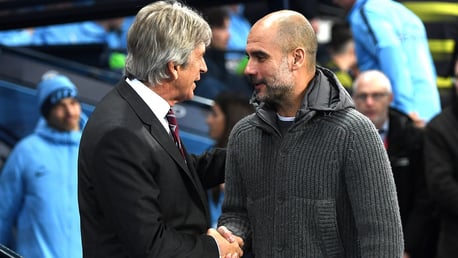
column 217, row 246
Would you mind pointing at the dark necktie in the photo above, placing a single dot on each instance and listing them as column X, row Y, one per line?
column 171, row 118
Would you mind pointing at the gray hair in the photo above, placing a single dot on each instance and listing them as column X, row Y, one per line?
column 163, row 31
column 372, row 75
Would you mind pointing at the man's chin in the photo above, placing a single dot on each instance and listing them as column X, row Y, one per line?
column 259, row 96
column 68, row 128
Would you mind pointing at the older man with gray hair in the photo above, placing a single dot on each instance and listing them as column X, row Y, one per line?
column 141, row 194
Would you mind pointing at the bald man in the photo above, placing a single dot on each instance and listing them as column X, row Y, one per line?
column 306, row 175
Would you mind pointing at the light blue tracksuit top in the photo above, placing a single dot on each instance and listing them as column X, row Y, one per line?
column 38, row 195
column 390, row 38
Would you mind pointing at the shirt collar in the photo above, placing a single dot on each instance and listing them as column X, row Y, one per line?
column 383, row 131
column 156, row 103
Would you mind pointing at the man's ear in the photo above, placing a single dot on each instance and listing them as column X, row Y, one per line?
column 173, row 70
column 298, row 57
column 390, row 97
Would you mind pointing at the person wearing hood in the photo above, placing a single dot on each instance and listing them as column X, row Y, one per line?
column 38, row 184
column 306, row 175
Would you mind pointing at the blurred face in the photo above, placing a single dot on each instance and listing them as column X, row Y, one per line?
column 220, row 36
column 268, row 68
column 350, row 54
column 190, row 73
column 373, row 100
column 65, row 115
column 216, row 122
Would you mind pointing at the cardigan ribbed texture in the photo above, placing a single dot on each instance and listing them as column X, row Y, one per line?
column 324, row 189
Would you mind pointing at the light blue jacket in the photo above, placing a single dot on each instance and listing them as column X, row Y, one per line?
column 76, row 33
column 390, row 38
column 38, row 189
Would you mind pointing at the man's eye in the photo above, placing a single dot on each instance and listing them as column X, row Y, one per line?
column 261, row 58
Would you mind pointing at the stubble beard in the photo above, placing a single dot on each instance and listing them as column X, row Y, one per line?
column 280, row 89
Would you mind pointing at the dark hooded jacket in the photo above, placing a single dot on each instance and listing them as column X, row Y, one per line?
column 324, row 188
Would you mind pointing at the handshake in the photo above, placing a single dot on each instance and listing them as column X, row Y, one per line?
column 229, row 245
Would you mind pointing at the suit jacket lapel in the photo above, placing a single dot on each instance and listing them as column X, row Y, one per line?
column 157, row 131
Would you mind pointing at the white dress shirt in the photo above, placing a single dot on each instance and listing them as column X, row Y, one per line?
column 156, row 103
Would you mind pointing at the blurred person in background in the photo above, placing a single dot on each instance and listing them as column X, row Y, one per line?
column 440, row 18
column 403, row 142
column 17, row 37
column 441, row 148
column 218, row 78
column 102, row 32
column 342, row 55
column 239, row 27
column 228, row 108
column 392, row 39
column 38, row 184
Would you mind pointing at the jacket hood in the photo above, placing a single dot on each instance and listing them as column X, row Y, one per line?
column 324, row 93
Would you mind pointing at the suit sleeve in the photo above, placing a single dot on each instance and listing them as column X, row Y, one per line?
column 210, row 167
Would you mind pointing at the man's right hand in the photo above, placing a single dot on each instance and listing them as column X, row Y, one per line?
column 227, row 234
column 226, row 249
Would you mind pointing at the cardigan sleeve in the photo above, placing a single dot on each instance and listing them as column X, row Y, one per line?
column 371, row 189
column 234, row 211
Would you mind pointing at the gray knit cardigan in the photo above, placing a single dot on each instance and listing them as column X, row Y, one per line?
column 323, row 189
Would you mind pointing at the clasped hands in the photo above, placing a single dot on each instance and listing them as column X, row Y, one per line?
column 230, row 246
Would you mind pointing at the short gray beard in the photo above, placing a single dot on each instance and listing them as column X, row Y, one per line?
column 278, row 91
